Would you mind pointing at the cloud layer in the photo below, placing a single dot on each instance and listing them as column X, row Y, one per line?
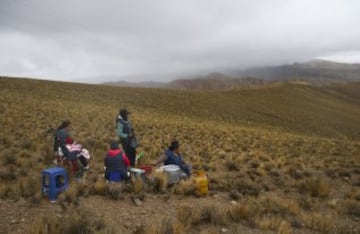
column 69, row 40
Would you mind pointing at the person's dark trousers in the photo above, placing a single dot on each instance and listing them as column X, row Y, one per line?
column 124, row 144
column 186, row 169
column 131, row 154
column 129, row 151
column 83, row 160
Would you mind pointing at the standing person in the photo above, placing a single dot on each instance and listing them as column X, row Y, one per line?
column 62, row 133
column 172, row 156
column 116, row 162
column 123, row 129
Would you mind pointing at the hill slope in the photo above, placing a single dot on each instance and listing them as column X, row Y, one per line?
column 280, row 159
column 331, row 111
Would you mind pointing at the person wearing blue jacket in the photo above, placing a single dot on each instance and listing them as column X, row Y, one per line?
column 172, row 156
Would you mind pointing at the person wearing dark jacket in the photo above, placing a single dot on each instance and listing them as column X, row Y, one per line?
column 62, row 133
column 172, row 156
column 116, row 161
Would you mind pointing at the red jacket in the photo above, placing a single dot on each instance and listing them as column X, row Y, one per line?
column 114, row 153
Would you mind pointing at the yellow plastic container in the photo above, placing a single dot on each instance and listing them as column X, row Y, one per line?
column 201, row 183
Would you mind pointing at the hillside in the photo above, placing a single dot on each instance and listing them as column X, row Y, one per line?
column 330, row 111
column 280, row 158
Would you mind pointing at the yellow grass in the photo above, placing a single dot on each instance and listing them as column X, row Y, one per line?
column 286, row 152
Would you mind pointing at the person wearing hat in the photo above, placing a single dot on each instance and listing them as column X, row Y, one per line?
column 173, row 156
column 126, row 134
column 116, row 161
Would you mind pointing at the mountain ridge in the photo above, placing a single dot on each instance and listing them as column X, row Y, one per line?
column 317, row 72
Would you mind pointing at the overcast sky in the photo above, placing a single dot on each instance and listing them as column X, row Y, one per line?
column 89, row 41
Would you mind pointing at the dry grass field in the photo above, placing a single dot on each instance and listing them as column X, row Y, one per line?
column 283, row 158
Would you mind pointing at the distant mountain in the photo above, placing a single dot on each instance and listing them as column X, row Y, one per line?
column 148, row 84
column 317, row 72
column 139, row 80
column 215, row 81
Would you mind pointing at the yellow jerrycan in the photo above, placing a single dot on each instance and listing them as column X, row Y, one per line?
column 201, row 183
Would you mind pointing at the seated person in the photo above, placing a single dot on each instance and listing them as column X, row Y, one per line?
column 172, row 156
column 76, row 151
column 116, row 161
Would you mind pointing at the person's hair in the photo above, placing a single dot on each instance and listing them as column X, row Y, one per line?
column 124, row 113
column 114, row 145
column 174, row 145
column 64, row 124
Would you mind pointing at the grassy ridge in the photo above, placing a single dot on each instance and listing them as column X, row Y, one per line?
column 322, row 111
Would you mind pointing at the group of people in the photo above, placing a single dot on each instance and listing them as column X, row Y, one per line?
column 117, row 160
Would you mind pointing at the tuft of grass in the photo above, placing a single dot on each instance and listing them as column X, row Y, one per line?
column 306, row 203
column 6, row 190
column 137, row 184
column 77, row 225
column 116, row 191
column 235, row 195
column 185, row 215
column 184, row 187
column 9, row 158
column 27, row 144
column 165, row 225
column 211, row 215
column 285, row 228
column 71, row 194
column 73, row 222
column 170, row 226
column 7, row 175
column 280, row 206
column 99, row 187
column 240, row 212
column 83, row 189
column 159, row 182
column 247, row 187
column 28, row 187
column 318, row 222
column 231, row 165
column 352, row 208
column 268, row 222
column 254, row 164
column 316, row 187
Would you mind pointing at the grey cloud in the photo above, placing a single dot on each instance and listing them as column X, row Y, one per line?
column 69, row 39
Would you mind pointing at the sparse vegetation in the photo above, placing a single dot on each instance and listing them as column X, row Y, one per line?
column 316, row 187
column 278, row 158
